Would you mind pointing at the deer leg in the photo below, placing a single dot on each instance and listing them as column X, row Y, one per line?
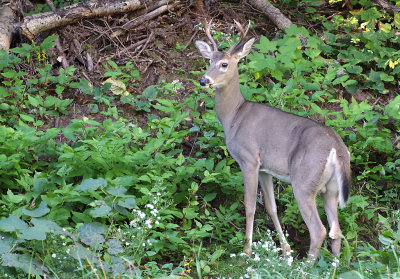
column 309, row 212
column 330, row 199
column 250, row 178
column 270, row 206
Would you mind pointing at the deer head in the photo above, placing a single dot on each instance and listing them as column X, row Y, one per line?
column 223, row 65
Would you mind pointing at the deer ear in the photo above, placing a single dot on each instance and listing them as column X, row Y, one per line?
column 204, row 49
column 243, row 49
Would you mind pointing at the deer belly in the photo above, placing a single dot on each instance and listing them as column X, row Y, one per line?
column 282, row 177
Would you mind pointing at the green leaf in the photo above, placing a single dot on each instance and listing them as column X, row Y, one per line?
column 27, row 117
column 392, row 109
column 176, row 240
column 91, row 184
column 38, row 212
column 351, row 234
column 266, row 45
column 14, row 198
column 92, row 234
column 80, row 252
column 94, row 227
column 350, row 275
column 129, row 203
column 190, row 213
column 28, row 264
column 150, row 93
column 83, row 85
column 117, row 191
column 12, row 223
column 114, row 246
column 32, row 233
column 4, row 92
column 210, row 197
column 48, row 42
column 47, row 226
column 101, row 211
column 5, row 246
column 217, row 254
column 35, row 100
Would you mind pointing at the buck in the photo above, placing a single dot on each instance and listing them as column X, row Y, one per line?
column 267, row 142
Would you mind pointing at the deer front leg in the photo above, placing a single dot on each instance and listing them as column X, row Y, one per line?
column 250, row 179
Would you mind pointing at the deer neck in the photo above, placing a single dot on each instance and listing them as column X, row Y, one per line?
column 228, row 99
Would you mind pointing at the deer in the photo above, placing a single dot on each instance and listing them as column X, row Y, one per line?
column 268, row 142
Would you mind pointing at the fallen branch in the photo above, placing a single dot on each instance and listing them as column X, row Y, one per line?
column 387, row 6
column 159, row 8
column 273, row 13
column 34, row 24
column 60, row 49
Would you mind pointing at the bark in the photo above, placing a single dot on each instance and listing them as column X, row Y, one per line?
column 273, row 13
column 7, row 19
column 34, row 24
column 387, row 6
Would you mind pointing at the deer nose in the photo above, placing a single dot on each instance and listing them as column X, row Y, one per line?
column 204, row 81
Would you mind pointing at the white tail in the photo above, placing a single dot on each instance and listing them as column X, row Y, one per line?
column 267, row 142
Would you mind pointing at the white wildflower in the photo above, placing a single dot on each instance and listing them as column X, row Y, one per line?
column 149, row 205
column 54, row 255
column 290, row 260
column 148, row 223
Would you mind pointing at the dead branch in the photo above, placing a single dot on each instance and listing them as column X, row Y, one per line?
column 34, row 24
column 162, row 7
column 273, row 13
column 64, row 61
column 387, row 6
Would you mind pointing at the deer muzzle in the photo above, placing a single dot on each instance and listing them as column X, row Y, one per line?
column 204, row 81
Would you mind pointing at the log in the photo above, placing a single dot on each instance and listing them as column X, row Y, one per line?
column 34, row 24
column 7, row 19
column 273, row 13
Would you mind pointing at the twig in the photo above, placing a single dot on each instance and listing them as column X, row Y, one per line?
column 151, row 38
column 138, row 43
column 191, row 38
column 142, row 19
column 64, row 61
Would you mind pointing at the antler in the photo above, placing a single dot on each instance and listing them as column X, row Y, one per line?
column 207, row 29
column 242, row 34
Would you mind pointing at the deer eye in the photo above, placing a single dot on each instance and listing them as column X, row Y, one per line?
column 224, row 65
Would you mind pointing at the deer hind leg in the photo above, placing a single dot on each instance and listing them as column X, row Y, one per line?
column 250, row 179
column 308, row 209
column 270, row 206
column 330, row 199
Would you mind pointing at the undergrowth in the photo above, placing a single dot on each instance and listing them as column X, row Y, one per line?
column 115, row 198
